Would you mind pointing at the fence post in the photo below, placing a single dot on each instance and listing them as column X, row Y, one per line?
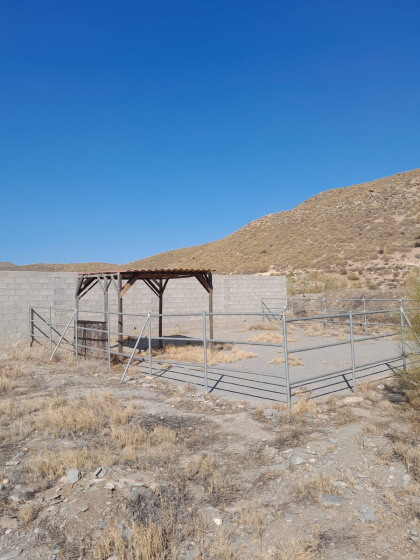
column 205, row 352
column 50, row 326
column 262, row 309
column 108, row 333
column 150, row 343
column 76, row 335
column 403, row 340
column 292, row 308
column 286, row 362
column 353, row 365
column 29, row 325
column 364, row 309
column 325, row 312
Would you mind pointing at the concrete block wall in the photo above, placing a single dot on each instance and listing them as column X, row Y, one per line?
column 233, row 293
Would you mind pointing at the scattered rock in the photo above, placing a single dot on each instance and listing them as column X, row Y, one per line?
column 366, row 514
column 109, row 485
column 100, row 472
column 350, row 400
column 12, row 463
column 217, row 520
column 10, row 553
column 127, row 534
column 288, row 518
column 296, row 460
column 331, row 500
column 73, row 476
column 8, row 522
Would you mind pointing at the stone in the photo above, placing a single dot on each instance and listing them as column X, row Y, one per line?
column 73, row 476
column 102, row 524
column 10, row 553
column 8, row 522
column 127, row 534
column 296, row 460
column 366, row 514
column 288, row 518
column 100, row 472
column 269, row 412
column 331, row 500
column 350, row 400
column 217, row 520
column 109, row 485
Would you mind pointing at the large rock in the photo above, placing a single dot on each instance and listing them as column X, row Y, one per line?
column 74, row 476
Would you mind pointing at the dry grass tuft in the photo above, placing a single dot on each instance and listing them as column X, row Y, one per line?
column 292, row 359
column 254, row 518
column 194, row 354
column 148, row 542
column 311, row 489
column 27, row 513
column 87, row 414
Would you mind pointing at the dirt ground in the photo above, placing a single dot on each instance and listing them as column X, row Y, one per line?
column 90, row 469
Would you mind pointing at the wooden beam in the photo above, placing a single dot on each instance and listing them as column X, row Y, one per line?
column 204, row 282
column 88, row 287
column 129, row 283
column 154, row 289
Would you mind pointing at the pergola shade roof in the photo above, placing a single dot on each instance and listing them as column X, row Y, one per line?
column 155, row 278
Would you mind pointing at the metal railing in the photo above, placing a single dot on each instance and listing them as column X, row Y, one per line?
column 278, row 376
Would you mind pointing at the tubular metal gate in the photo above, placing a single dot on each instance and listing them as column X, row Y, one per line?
column 277, row 377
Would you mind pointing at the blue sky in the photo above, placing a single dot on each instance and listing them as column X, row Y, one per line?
column 130, row 128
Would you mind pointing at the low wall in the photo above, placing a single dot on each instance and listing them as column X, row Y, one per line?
column 232, row 293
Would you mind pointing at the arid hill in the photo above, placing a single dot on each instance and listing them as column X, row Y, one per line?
column 368, row 223
column 372, row 225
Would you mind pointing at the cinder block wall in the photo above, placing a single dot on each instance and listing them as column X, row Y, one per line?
column 57, row 289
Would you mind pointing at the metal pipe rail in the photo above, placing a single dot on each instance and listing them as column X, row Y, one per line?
column 283, row 378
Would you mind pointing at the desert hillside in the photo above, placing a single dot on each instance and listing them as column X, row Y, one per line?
column 372, row 226
column 372, row 223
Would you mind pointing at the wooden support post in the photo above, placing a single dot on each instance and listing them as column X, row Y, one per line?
column 160, row 313
column 120, row 315
column 106, row 309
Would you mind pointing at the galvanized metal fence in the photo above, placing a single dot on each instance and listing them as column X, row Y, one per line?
column 278, row 377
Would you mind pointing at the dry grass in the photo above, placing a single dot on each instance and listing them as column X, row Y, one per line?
column 27, row 513
column 254, row 518
column 8, row 375
column 272, row 337
column 50, row 464
column 219, row 481
column 194, row 354
column 296, row 547
column 148, row 542
column 311, row 489
column 88, row 414
column 292, row 360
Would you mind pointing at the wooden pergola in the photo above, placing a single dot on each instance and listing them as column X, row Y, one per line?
column 155, row 279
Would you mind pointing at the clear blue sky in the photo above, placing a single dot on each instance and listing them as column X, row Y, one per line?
column 130, row 128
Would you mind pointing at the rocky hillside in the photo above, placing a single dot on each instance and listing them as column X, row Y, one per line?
column 374, row 226
column 369, row 223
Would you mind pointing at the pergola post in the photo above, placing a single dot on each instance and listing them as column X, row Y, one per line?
column 120, row 313
column 160, row 282
column 105, row 300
